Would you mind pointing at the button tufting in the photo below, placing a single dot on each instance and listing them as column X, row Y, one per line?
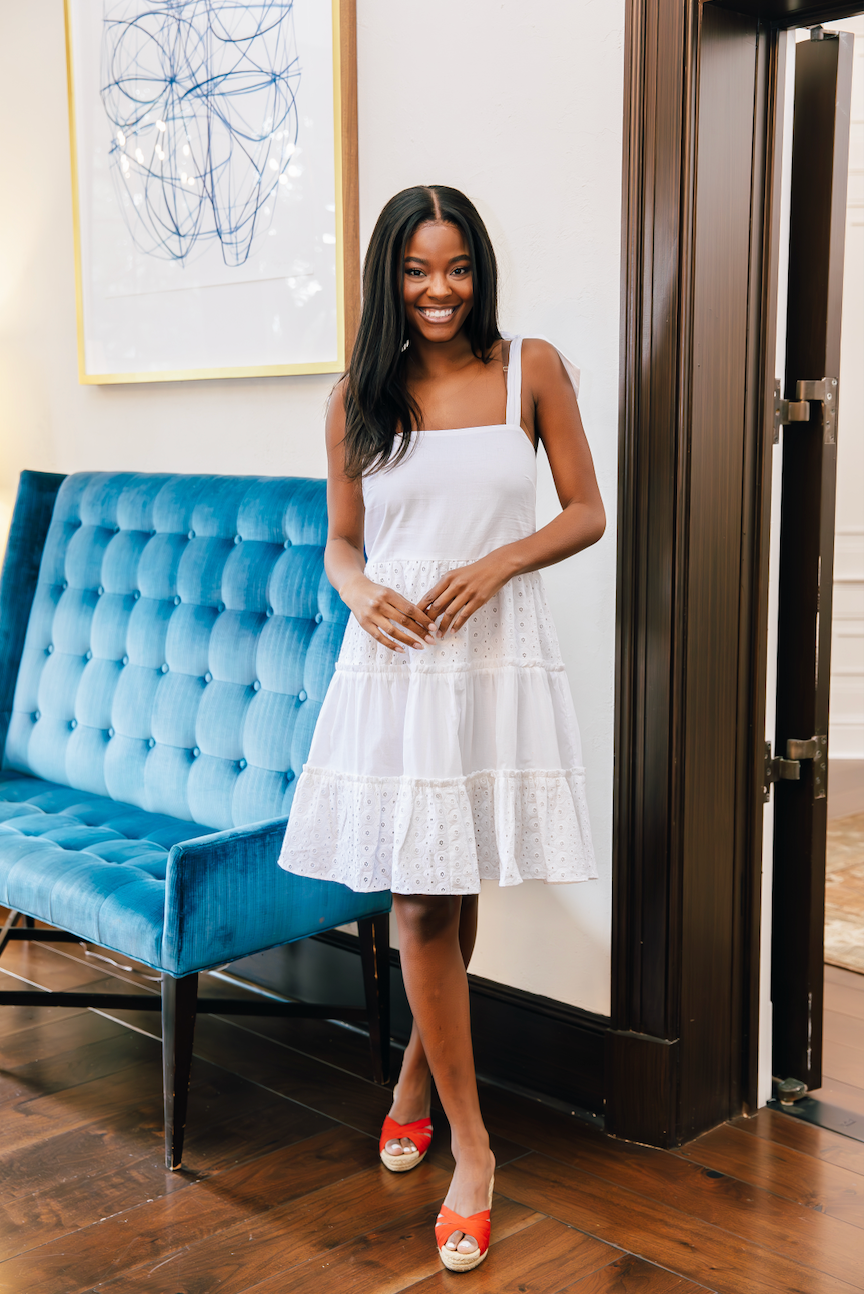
column 191, row 534
column 318, row 618
column 301, row 696
column 110, row 732
column 176, row 600
column 124, row 660
column 64, row 586
column 287, row 543
column 99, row 591
column 289, row 776
column 241, row 763
column 220, row 607
column 88, row 655
column 256, row 686
column 163, row 669
column 208, row 677
column 136, row 595
column 152, row 742
column 116, row 530
column 37, row 715
column 269, row 611
column 195, row 752
column 73, row 723
column 49, row 649
column 238, row 539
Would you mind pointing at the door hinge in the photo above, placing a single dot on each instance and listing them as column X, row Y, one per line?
column 789, row 769
column 821, row 390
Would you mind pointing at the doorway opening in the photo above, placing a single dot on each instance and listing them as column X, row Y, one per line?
column 817, row 826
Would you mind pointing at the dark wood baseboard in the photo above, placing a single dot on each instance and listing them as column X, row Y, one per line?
column 642, row 1087
column 522, row 1042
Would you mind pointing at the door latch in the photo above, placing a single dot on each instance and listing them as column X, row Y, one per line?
column 819, row 390
column 789, row 769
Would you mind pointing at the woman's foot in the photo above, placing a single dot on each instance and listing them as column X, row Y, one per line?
column 411, row 1102
column 469, row 1194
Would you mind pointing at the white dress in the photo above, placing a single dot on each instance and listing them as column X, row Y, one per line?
column 432, row 770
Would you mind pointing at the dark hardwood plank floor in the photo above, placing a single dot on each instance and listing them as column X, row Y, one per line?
column 281, row 1188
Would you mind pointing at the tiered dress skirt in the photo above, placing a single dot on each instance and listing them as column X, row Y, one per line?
column 432, row 770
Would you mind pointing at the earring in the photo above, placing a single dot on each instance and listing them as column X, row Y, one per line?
column 406, row 343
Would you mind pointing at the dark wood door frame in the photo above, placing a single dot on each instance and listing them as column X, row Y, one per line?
column 700, row 245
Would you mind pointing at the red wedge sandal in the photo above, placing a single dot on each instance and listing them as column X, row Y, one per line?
column 479, row 1225
column 420, row 1132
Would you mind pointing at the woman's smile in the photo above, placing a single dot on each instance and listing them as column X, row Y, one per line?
column 437, row 314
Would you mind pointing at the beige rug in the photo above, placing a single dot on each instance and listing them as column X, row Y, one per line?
column 844, row 893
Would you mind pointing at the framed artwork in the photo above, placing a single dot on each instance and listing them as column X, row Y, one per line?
column 214, row 183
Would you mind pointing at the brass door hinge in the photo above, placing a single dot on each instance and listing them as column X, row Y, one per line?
column 789, row 769
column 823, row 391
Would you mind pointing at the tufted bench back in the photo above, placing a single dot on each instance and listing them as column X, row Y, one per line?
column 181, row 639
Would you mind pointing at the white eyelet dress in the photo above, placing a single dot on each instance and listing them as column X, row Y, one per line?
column 433, row 770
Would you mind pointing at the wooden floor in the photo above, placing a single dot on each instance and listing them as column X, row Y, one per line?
column 281, row 1188
column 843, row 1041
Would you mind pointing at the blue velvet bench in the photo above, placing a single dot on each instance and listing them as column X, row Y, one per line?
column 165, row 645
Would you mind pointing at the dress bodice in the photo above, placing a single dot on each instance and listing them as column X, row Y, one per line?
column 458, row 493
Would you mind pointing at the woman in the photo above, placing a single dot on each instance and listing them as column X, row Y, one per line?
column 446, row 750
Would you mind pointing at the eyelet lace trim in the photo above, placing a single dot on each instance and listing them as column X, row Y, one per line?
column 428, row 836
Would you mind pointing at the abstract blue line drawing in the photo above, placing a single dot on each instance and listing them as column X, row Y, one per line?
column 201, row 96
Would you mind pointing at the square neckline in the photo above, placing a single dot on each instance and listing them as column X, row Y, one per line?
column 513, row 388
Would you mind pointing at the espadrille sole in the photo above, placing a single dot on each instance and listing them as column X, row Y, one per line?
column 455, row 1262
column 401, row 1163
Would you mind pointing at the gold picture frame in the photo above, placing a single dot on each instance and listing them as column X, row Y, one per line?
column 347, row 248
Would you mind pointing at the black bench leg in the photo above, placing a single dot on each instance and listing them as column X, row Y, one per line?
column 375, row 954
column 179, row 1000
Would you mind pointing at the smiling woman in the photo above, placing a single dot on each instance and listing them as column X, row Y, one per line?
column 447, row 750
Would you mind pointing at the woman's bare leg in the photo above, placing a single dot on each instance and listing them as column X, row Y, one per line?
column 433, row 968
column 411, row 1095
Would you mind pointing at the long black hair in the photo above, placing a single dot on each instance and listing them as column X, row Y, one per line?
column 378, row 407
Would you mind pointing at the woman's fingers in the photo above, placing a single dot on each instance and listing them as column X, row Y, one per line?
column 381, row 637
column 452, row 617
column 407, row 612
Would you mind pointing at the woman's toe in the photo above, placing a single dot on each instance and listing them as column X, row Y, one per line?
column 454, row 1240
column 394, row 1147
column 408, row 1146
column 467, row 1245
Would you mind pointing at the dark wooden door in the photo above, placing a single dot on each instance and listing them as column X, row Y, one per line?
column 820, row 150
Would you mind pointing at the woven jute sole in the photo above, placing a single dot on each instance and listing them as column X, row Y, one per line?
column 455, row 1262
column 401, row 1163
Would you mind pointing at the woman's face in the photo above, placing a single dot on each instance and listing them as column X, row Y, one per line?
column 437, row 284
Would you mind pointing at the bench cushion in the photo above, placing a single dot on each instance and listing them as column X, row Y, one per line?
column 87, row 863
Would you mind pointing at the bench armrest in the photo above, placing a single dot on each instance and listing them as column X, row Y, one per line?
column 226, row 897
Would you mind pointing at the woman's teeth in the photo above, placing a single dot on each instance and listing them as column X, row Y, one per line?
column 437, row 314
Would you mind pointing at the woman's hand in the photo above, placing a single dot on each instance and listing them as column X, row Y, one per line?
column 386, row 615
column 465, row 590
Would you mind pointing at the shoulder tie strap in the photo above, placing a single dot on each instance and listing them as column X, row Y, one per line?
column 513, row 416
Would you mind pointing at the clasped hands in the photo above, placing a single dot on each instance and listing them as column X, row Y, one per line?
column 397, row 623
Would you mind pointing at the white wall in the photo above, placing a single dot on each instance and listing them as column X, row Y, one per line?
column 522, row 108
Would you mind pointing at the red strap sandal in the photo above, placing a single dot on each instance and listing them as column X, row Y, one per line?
column 479, row 1225
column 420, row 1132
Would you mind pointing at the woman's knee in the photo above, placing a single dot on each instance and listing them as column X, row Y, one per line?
column 427, row 917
